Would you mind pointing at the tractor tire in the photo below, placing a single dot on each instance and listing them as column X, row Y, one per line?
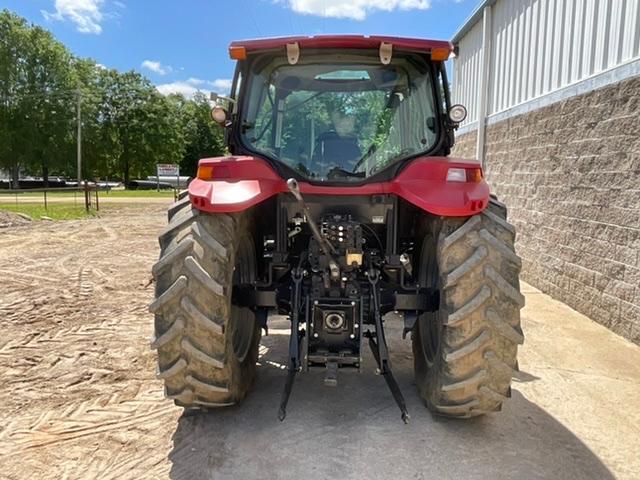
column 207, row 348
column 465, row 354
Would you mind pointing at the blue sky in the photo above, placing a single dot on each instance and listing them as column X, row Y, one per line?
column 182, row 45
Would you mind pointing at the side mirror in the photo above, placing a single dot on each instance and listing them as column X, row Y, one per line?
column 457, row 114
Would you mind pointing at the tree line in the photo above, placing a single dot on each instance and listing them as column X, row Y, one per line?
column 127, row 125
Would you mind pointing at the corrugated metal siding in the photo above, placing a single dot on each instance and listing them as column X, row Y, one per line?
column 540, row 46
column 467, row 72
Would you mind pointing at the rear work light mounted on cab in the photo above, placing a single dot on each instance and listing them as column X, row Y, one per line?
column 221, row 107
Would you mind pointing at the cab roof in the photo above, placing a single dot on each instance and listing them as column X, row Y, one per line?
column 443, row 47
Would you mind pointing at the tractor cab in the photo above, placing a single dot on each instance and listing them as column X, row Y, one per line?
column 339, row 109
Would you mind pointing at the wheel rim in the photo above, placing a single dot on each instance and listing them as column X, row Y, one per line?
column 428, row 324
column 242, row 318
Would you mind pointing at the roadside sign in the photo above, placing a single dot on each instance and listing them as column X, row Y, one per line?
column 167, row 170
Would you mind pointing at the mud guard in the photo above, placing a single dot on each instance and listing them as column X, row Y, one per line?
column 240, row 182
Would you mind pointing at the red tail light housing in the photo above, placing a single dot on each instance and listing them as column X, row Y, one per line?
column 469, row 175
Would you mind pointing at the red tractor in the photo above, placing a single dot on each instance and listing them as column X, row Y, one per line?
column 338, row 205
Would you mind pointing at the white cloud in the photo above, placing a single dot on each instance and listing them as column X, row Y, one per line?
column 192, row 85
column 352, row 9
column 181, row 87
column 86, row 14
column 196, row 81
column 156, row 67
column 221, row 85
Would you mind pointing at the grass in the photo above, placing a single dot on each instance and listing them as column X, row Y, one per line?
column 101, row 193
column 72, row 207
column 55, row 211
column 136, row 193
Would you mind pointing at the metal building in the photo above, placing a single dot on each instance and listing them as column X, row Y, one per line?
column 518, row 55
column 553, row 93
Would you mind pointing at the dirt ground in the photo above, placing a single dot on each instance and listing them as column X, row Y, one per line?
column 79, row 398
column 10, row 219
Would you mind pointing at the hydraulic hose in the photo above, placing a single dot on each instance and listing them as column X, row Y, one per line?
column 326, row 247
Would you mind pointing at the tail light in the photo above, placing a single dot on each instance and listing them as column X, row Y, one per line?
column 474, row 175
column 206, row 172
column 470, row 175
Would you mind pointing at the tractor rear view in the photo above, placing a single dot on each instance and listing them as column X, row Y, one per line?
column 339, row 205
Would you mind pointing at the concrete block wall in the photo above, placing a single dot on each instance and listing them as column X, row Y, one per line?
column 465, row 146
column 570, row 175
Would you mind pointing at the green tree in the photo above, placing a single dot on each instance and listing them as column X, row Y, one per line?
column 35, row 79
column 47, row 103
column 203, row 138
column 97, row 155
column 140, row 126
column 13, row 47
column 127, row 125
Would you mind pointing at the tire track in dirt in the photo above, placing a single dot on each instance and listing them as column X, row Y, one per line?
column 85, row 285
column 42, row 362
column 77, row 374
column 93, row 417
column 112, row 424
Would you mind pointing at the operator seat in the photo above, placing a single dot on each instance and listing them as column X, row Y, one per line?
column 335, row 151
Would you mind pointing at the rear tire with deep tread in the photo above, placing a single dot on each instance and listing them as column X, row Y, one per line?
column 466, row 353
column 182, row 203
column 202, row 256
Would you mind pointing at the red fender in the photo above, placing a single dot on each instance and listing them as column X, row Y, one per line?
column 239, row 183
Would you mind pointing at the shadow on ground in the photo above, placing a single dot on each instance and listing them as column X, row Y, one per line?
column 354, row 431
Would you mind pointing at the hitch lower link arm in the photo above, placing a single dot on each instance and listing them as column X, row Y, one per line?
column 294, row 342
column 379, row 347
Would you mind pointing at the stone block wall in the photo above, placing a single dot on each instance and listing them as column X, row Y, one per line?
column 570, row 175
column 465, row 146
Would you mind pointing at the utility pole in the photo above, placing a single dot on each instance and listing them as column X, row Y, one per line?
column 79, row 137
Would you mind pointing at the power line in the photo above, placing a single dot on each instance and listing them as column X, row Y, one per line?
column 253, row 18
column 324, row 14
column 291, row 22
column 86, row 94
